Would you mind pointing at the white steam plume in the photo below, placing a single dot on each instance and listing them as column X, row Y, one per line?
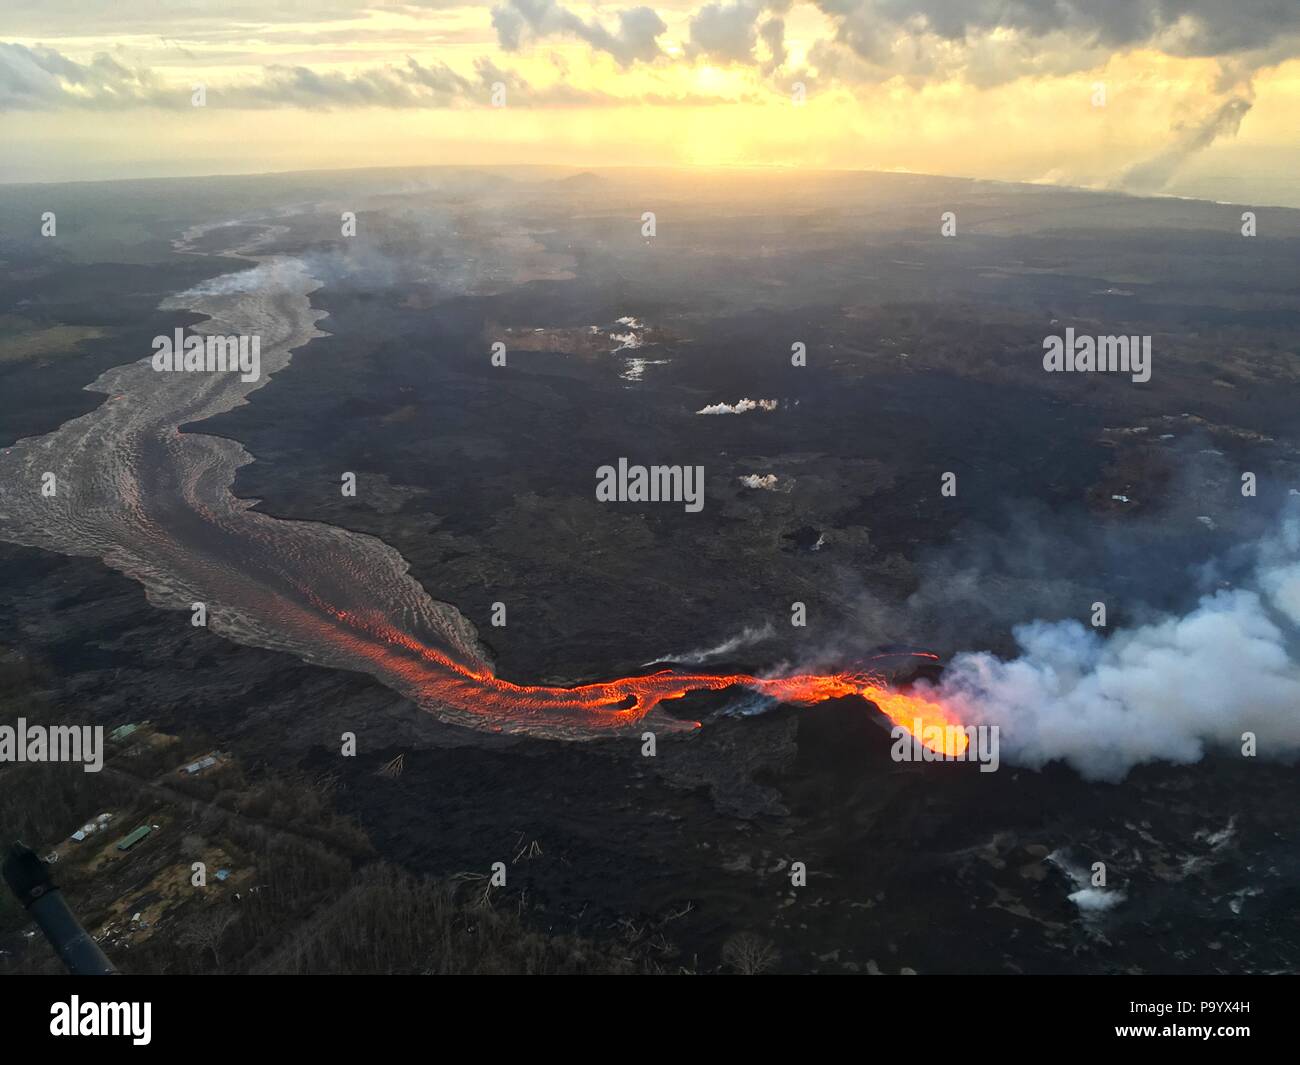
column 1166, row 690
column 741, row 406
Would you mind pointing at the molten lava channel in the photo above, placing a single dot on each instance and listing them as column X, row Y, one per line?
column 434, row 676
column 156, row 504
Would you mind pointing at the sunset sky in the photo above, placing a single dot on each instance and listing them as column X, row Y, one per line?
column 1201, row 97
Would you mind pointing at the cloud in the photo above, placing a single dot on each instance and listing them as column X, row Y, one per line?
column 412, row 85
column 723, row 32
column 726, row 32
column 1180, row 27
column 773, row 35
column 44, row 79
column 519, row 22
column 50, row 18
column 40, row 79
column 988, row 42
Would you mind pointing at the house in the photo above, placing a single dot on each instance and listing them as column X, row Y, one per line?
column 131, row 839
column 91, row 827
column 206, row 762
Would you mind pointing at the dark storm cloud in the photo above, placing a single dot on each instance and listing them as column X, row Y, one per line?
column 520, row 21
column 989, row 42
column 1211, row 27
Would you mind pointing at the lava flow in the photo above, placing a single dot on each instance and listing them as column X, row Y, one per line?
column 627, row 700
column 433, row 677
column 156, row 503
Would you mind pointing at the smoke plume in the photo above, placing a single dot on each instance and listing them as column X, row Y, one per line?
column 1155, row 173
column 1167, row 689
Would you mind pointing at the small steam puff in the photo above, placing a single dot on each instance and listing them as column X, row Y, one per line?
column 1164, row 690
column 1090, row 900
column 745, row 638
column 739, row 407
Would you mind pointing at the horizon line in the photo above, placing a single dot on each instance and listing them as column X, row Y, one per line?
column 596, row 169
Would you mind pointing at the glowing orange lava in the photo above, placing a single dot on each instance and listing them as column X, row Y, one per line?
column 474, row 695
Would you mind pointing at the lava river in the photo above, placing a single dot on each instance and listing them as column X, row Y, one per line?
column 155, row 503
column 481, row 698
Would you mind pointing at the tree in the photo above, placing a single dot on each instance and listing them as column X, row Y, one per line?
column 206, row 932
column 749, row 954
